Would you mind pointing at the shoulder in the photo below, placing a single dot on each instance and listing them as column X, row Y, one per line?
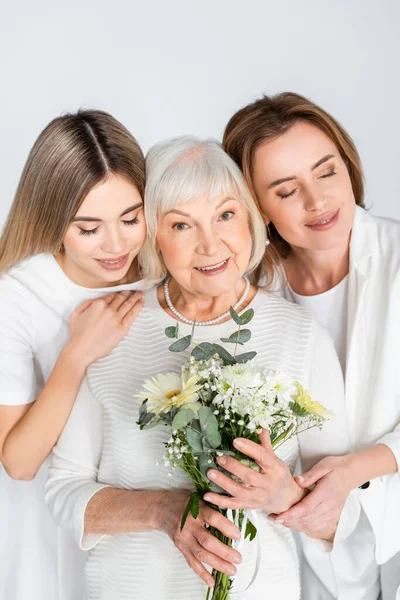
column 374, row 235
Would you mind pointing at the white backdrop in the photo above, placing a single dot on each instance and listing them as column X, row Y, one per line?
column 168, row 67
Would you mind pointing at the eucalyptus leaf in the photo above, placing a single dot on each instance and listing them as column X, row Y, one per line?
column 205, row 463
column 235, row 316
column 194, row 439
column 246, row 317
column 213, row 436
column 172, row 332
column 181, row 344
column 226, row 356
column 203, row 351
column 239, row 337
column 244, row 358
column 151, row 422
column 145, row 418
column 206, row 415
column 142, row 411
column 182, row 418
column 209, row 425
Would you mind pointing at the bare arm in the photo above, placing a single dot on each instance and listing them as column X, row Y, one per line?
column 29, row 432
column 112, row 511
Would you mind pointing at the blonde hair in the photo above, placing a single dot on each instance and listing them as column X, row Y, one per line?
column 73, row 154
column 181, row 170
column 265, row 120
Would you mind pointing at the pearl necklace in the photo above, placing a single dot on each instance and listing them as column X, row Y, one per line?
column 211, row 321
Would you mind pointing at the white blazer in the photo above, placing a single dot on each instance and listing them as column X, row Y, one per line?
column 372, row 382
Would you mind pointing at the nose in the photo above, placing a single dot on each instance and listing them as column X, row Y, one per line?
column 113, row 242
column 314, row 199
column 208, row 242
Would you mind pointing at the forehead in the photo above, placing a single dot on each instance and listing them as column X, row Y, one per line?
column 204, row 204
column 110, row 198
column 299, row 148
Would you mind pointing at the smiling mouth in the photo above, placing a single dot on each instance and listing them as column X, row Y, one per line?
column 112, row 261
column 323, row 219
column 213, row 267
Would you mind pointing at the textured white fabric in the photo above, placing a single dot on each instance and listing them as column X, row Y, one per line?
column 102, row 443
column 329, row 309
column 38, row 560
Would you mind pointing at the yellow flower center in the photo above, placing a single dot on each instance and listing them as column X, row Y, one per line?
column 172, row 393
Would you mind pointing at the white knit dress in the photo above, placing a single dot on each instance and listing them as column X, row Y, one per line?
column 102, row 446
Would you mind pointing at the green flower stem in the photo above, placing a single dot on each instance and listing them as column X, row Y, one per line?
column 223, row 582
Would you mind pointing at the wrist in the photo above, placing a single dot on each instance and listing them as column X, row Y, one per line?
column 74, row 358
column 293, row 495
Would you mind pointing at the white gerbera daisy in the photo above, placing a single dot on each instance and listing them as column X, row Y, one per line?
column 167, row 390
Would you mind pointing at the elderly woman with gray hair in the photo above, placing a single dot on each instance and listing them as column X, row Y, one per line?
column 205, row 237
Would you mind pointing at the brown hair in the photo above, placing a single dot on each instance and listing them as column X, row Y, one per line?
column 268, row 118
column 74, row 153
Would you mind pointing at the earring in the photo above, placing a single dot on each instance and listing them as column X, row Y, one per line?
column 267, row 240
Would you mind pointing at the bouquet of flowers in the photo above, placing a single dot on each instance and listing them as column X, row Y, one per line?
column 217, row 397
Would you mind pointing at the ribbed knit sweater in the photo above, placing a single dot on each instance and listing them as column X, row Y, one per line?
column 102, row 446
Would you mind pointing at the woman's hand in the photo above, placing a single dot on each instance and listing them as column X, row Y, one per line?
column 272, row 489
column 319, row 513
column 194, row 541
column 99, row 325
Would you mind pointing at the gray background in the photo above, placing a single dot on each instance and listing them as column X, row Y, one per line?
column 169, row 67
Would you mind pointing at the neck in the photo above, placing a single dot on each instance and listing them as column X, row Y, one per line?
column 312, row 272
column 201, row 308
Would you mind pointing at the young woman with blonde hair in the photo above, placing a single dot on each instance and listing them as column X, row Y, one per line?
column 72, row 236
column 342, row 264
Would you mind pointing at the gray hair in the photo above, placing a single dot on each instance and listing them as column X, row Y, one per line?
column 180, row 170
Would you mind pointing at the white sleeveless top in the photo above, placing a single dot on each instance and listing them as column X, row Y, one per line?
column 102, row 446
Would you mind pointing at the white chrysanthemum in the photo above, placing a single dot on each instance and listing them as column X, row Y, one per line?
column 167, row 390
column 280, row 385
column 241, row 376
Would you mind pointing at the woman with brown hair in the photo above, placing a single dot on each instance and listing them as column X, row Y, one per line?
column 343, row 265
column 72, row 236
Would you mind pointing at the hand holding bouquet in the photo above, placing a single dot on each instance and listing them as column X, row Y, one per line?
column 219, row 409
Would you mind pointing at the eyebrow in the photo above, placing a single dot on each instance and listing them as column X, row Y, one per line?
column 92, row 219
column 319, row 162
column 183, row 214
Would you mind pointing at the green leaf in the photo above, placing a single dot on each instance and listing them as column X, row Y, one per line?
column 192, row 506
column 172, row 332
column 181, row 344
column 239, row 337
column 182, row 418
column 251, row 531
column 205, row 463
column 194, row 439
column 145, row 417
column 246, row 317
column 244, row 358
column 205, row 416
column 150, row 422
column 142, row 411
column 225, row 356
column 203, row 351
column 209, row 425
column 235, row 316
